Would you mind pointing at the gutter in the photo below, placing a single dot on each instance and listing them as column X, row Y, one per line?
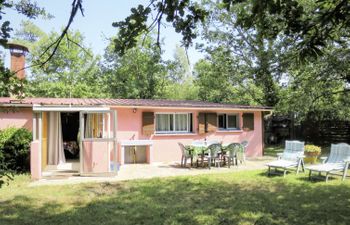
column 17, row 105
column 70, row 106
column 196, row 108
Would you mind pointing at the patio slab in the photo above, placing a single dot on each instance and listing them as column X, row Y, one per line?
column 147, row 171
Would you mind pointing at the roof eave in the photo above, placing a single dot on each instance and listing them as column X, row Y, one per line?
column 193, row 108
column 138, row 107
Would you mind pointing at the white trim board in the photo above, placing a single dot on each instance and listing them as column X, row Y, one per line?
column 68, row 108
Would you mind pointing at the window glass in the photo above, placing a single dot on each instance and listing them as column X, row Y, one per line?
column 163, row 122
column 222, row 121
column 181, row 122
column 231, row 121
column 93, row 125
column 228, row 121
column 174, row 122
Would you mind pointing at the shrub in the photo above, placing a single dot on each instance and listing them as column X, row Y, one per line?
column 14, row 148
column 312, row 148
column 5, row 174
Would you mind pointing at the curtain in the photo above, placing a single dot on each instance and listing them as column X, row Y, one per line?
column 181, row 122
column 55, row 139
column 94, row 125
column 89, row 126
column 164, row 122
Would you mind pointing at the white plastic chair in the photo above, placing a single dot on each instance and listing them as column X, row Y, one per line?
column 337, row 161
column 244, row 145
column 185, row 155
column 292, row 157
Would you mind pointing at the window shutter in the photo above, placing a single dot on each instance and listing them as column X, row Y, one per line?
column 201, row 123
column 211, row 120
column 207, row 122
column 248, row 121
column 147, row 123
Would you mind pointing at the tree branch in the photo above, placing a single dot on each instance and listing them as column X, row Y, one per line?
column 76, row 6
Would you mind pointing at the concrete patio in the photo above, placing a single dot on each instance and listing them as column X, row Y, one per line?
column 147, row 171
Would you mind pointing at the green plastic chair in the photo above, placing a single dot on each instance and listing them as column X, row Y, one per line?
column 213, row 155
column 186, row 154
column 231, row 153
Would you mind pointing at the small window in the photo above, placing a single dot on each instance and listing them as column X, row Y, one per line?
column 173, row 122
column 222, row 121
column 228, row 122
column 94, row 126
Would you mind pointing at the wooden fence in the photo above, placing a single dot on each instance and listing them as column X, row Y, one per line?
column 325, row 132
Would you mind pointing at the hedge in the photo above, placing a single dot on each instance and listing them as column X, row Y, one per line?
column 14, row 149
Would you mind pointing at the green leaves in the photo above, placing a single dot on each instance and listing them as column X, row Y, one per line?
column 129, row 29
column 318, row 90
column 184, row 15
column 72, row 72
column 14, row 148
column 310, row 23
column 27, row 8
column 30, row 9
column 139, row 73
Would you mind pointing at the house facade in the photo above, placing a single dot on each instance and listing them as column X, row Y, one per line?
column 98, row 135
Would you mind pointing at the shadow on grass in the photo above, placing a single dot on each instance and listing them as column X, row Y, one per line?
column 225, row 199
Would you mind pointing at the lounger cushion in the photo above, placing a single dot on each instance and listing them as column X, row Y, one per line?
column 282, row 163
column 327, row 167
column 291, row 156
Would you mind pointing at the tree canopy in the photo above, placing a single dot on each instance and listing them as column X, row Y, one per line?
column 311, row 24
column 252, row 55
column 139, row 73
column 72, row 72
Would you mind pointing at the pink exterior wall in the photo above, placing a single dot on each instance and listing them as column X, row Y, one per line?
column 35, row 162
column 16, row 117
column 165, row 146
column 96, row 159
column 129, row 127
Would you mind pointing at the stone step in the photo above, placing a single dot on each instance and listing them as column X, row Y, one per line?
column 64, row 166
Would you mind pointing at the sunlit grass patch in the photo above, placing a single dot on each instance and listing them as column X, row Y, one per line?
column 229, row 198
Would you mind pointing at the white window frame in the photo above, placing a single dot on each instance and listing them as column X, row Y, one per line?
column 230, row 128
column 174, row 131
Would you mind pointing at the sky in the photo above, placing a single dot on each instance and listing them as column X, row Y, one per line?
column 96, row 25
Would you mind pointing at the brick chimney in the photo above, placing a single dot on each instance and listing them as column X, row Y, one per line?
column 18, row 53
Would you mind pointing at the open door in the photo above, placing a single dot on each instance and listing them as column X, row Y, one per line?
column 98, row 142
column 44, row 141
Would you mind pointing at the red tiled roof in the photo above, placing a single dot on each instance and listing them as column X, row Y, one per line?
column 125, row 102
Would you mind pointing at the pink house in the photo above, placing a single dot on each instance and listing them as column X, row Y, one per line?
column 98, row 135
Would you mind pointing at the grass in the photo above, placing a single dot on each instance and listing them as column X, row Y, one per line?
column 272, row 150
column 248, row 197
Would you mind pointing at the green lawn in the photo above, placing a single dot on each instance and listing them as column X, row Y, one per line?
column 272, row 150
column 235, row 198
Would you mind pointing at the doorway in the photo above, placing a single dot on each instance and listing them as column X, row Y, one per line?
column 60, row 146
column 70, row 135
